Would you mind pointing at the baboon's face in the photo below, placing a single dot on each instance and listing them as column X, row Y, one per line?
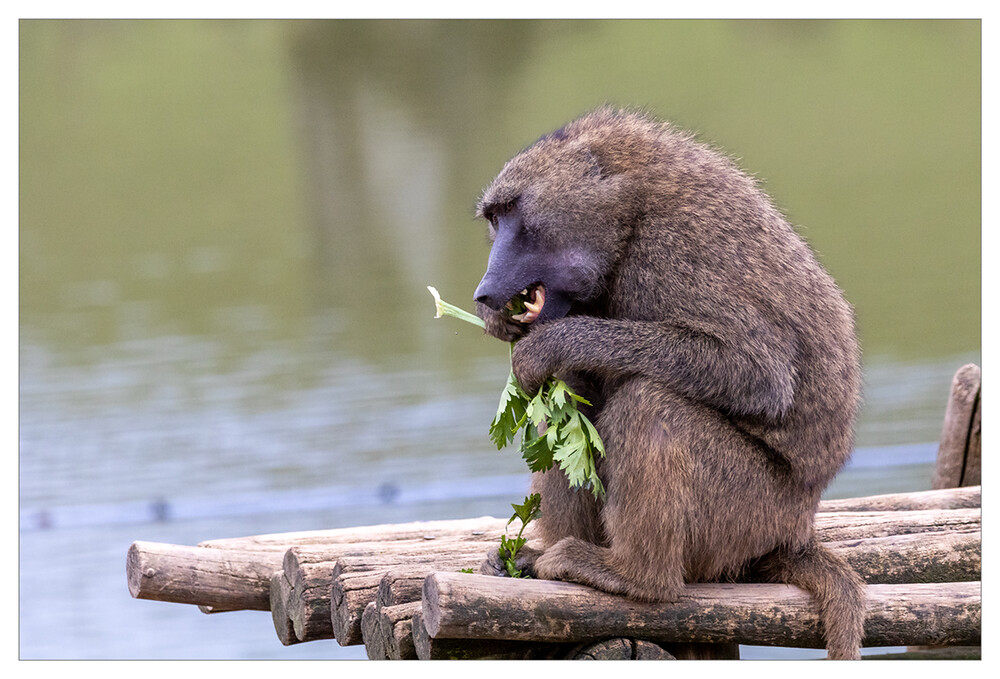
column 553, row 231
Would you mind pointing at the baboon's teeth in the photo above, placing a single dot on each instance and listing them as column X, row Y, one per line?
column 537, row 301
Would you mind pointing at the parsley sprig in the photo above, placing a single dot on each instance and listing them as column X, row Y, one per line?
column 569, row 439
column 527, row 512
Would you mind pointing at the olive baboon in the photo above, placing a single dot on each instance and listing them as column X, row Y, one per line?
column 720, row 358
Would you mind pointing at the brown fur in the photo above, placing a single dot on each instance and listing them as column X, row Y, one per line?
column 721, row 359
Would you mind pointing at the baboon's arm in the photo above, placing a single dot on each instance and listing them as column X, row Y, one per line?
column 744, row 366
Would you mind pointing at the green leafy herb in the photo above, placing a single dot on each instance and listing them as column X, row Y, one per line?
column 526, row 512
column 466, row 570
column 569, row 440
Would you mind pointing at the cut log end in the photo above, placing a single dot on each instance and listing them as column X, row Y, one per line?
column 133, row 571
column 621, row 649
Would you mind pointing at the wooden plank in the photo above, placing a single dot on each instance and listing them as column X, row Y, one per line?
column 765, row 615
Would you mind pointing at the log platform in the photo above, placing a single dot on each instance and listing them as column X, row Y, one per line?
column 399, row 590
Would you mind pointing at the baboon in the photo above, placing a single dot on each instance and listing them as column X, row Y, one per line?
column 720, row 358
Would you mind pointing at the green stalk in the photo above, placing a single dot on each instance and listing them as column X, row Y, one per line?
column 444, row 309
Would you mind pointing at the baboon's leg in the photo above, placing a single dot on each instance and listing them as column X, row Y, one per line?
column 566, row 512
column 647, row 473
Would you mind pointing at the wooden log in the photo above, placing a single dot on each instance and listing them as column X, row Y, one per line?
column 487, row 528
column 763, row 615
column 621, row 649
column 837, row 526
column 958, row 459
column 226, row 579
column 919, row 557
column 428, row 648
column 404, row 584
column 702, row 651
column 378, row 553
column 237, row 579
column 395, row 628
column 482, row 528
column 944, row 653
column 895, row 559
column 946, row 498
column 279, row 613
column 355, row 582
column 307, row 604
column 372, row 634
column 311, row 570
column 973, row 474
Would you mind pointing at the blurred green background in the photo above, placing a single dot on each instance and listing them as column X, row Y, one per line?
column 227, row 227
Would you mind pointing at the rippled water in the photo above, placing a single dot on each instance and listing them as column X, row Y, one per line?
column 227, row 228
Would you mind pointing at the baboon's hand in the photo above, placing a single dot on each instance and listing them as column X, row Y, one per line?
column 535, row 359
column 499, row 324
column 525, row 562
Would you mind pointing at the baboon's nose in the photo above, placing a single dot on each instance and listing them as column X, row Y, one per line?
column 488, row 300
column 486, row 293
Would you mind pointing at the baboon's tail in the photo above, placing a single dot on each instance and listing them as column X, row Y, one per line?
column 839, row 591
